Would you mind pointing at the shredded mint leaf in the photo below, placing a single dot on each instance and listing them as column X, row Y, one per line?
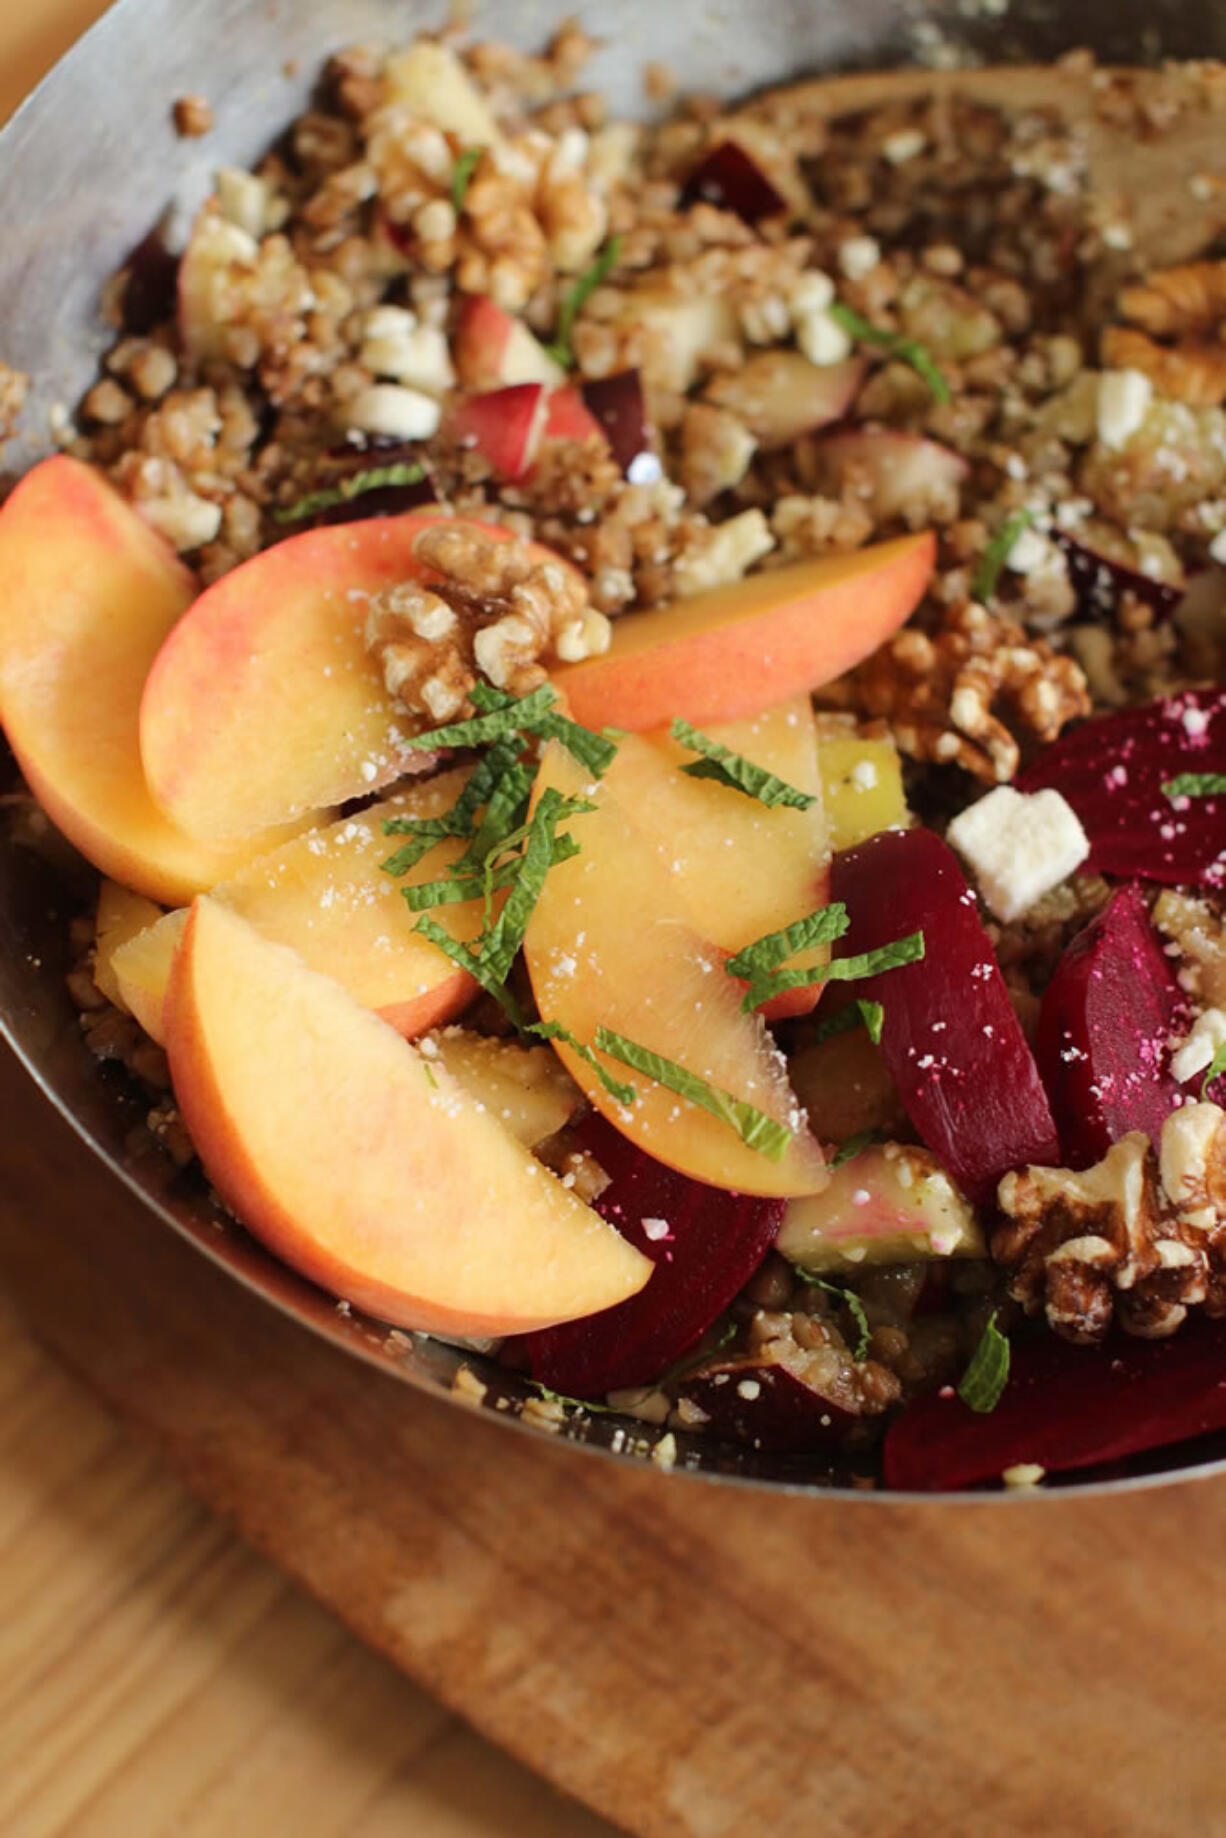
column 850, row 1301
column 984, row 1380
column 996, row 555
column 465, row 166
column 560, row 350
column 897, row 344
column 755, row 1129
column 1215, row 1071
column 428, row 1069
column 501, row 943
column 1196, row 785
column 457, row 889
column 853, row 1146
column 553, row 1030
column 375, row 478
column 690, row 1362
column 460, row 954
column 560, row 1397
column 595, row 751
column 869, row 1015
column 510, row 717
column 504, row 814
column 822, row 927
column 481, row 785
column 764, row 986
column 733, row 769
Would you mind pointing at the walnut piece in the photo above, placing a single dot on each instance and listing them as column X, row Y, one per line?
column 974, row 693
column 490, row 609
column 1193, row 371
column 1139, row 1238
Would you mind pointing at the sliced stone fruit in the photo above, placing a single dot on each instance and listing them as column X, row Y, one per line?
column 861, row 788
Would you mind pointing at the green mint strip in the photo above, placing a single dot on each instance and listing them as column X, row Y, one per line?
column 485, row 777
column 906, row 950
column 456, row 889
column 853, row 1146
column 755, row 1129
column 560, row 1397
column 460, row 954
column 909, row 350
column 506, row 812
column 510, row 718
column 823, row 927
column 996, row 555
column 561, row 350
column 985, row 1378
column 850, row 1301
column 462, row 177
column 500, row 945
column 553, row 1030
column 868, row 1015
column 1196, row 785
column 733, row 769
column 375, row 478
column 595, row 751
column 1215, row 1071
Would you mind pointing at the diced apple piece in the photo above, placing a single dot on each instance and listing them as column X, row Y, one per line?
column 429, row 80
column 681, row 329
column 730, row 179
column 901, row 475
column 861, row 788
column 504, row 425
column 492, row 349
column 619, row 408
column 1066, row 1408
column 845, row 1085
column 1112, row 771
column 325, row 895
column 568, row 417
column 887, row 1205
column 361, row 1164
column 527, row 1089
column 780, row 395
column 705, row 1245
column 121, row 915
column 733, row 651
column 1109, row 1015
column 88, row 593
column 611, row 942
column 950, row 1035
column 219, row 256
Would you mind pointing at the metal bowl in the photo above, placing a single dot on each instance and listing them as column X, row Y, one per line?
column 89, row 164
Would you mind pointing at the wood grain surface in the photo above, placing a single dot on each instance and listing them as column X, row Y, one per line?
column 695, row 1661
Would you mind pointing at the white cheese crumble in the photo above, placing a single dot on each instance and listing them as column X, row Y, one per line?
column 858, row 256
column 1019, row 846
column 655, row 1229
column 1200, row 1046
column 1217, row 548
column 903, row 146
column 1124, row 397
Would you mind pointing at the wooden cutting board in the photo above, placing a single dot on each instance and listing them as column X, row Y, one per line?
column 693, row 1660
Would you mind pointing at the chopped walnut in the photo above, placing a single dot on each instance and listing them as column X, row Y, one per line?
column 1139, row 1238
column 1176, row 302
column 495, row 610
column 193, row 116
column 975, row 693
column 1193, row 371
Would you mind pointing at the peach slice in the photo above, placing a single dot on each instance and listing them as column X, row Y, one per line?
column 613, row 942
column 861, row 788
column 122, row 915
column 88, row 593
column 362, row 1164
column 730, row 652
column 324, row 894
column 526, row 1088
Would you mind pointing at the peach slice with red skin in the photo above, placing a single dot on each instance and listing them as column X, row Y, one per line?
column 363, row 1165
column 88, row 594
column 613, row 941
column 735, row 650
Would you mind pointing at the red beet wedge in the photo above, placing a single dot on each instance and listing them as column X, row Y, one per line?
column 705, row 1244
column 728, row 178
column 1100, row 582
column 769, row 1405
column 951, row 1039
column 1067, row 1407
column 1112, row 771
column 1103, row 1042
column 620, row 407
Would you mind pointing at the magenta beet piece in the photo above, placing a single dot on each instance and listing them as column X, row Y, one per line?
column 150, row 292
column 1103, row 1043
column 714, row 1242
column 1112, row 770
column 766, row 1404
column 1100, row 582
column 618, row 404
column 1067, row 1407
column 729, row 179
column 952, row 1042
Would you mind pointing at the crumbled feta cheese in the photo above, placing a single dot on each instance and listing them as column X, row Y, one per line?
column 1217, row 548
column 1200, row 1046
column 645, row 469
column 1019, row 846
column 655, row 1229
column 395, row 345
column 388, row 408
column 243, row 199
column 903, row 146
column 822, row 339
column 858, row 256
column 1029, row 552
column 1124, row 397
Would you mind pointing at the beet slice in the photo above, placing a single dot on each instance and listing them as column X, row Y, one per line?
column 730, row 179
column 1105, row 1027
column 150, row 290
column 950, row 1037
column 1112, row 770
column 764, row 1403
column 620, row 407
column 715, row 1241
column 1067, row 1407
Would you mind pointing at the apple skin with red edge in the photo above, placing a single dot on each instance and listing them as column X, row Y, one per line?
column 490, row 349
column 618, row 407
column 1105, row 1027
column 1066, row 1408
column 504, row 425
column 950, row 1037
column 730, row 652
column 902, row 475
column 714, row 1243
column 1112, row 769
